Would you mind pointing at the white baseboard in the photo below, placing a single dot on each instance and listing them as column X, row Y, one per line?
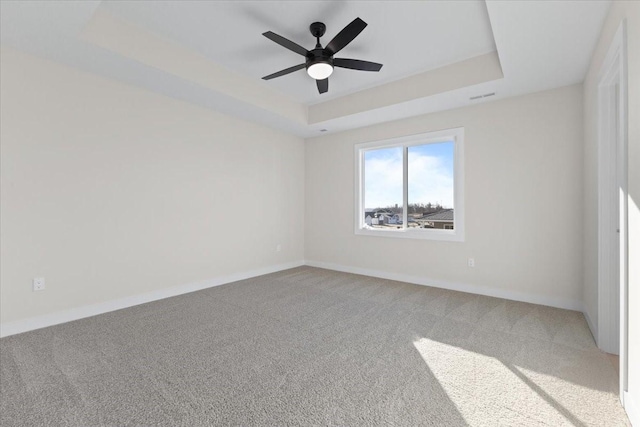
column 462, row 287
column 19, row 326
column 25, row 325
column 633, row 410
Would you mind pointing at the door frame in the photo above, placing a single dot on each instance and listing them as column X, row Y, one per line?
column 612, row 196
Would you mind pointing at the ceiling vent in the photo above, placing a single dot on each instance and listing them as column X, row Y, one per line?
column 486, row 95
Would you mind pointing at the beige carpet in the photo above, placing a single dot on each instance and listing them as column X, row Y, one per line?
column 313, row 347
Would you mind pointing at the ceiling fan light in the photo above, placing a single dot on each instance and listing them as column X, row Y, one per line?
column 320, row 70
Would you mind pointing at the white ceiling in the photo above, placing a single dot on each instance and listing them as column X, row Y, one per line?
column 406, row 36
column 540, row 45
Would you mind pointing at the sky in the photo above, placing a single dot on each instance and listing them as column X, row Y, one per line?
column 430, row 175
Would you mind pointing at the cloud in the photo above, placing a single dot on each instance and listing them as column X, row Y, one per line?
column 430, row 178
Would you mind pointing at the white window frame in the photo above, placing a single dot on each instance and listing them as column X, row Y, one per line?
column 457, row 234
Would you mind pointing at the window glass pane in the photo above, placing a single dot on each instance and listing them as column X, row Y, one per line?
column 430, row 186
column 383, row 188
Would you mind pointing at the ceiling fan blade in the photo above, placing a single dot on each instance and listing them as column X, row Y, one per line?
column 323, row 85
column 284, row 72
column 356, row 64
column 345, row 36
column 285, row 43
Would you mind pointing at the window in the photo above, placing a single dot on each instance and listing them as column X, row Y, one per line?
column 411, row 187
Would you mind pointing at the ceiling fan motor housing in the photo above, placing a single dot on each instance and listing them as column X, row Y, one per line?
column 318, row 55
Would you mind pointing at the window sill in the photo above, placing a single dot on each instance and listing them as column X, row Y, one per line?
column 419, row 234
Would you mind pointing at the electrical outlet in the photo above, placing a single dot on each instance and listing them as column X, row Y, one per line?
column 38, row 284
column 278, row 247
column 471, row 262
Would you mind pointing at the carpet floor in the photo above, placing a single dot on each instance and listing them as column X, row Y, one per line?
column 309, row 346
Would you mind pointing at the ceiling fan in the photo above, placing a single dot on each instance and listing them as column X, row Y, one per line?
column 320, row 61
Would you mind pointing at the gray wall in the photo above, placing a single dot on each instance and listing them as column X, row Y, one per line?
column 523, row 167
column 110, row 191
